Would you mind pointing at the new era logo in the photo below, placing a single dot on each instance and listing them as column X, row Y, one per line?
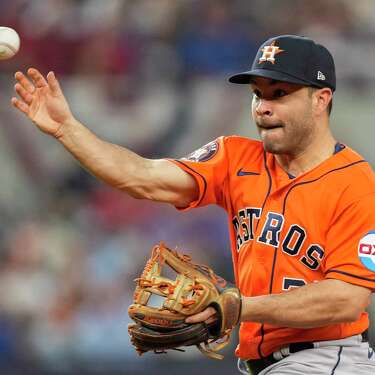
column 321, row 76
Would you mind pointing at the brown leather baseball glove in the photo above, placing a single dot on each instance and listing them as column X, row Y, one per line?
column 195, row 288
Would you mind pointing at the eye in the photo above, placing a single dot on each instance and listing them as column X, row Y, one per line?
column 257, row 93
column 279, row 93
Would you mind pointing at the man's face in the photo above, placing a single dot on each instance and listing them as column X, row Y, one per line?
column 283, row 115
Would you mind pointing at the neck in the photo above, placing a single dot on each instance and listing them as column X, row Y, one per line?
column 320, row 149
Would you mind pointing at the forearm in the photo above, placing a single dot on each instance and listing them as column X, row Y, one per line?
column 113, row 164
column 158, row 180
column 314, row 305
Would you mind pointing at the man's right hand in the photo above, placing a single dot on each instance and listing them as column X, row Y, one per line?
column 42, row 101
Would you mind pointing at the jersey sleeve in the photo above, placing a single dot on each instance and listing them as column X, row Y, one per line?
column 350, row 247
column 209, row 166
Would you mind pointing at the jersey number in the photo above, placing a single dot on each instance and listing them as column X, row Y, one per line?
column 290, row 283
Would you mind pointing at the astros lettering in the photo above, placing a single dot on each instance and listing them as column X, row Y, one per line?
column 291, row 244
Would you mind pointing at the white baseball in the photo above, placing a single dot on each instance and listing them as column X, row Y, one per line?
column 9, row 42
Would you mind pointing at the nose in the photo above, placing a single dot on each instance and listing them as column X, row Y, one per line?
column 263, row 108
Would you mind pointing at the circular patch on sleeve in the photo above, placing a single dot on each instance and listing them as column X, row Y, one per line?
column 366, row 250
column 204, row 153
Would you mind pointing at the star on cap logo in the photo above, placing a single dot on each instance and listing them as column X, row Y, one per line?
column 269, row 53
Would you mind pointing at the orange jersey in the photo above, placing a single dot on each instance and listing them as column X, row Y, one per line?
column 286, row 232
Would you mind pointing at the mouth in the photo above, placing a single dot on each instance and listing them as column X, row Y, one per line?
column 269, row 126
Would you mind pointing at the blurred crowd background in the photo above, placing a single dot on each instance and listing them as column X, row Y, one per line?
column 150, row 75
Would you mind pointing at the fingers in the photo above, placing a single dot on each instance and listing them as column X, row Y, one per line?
column 202, row 316
column 23, row 93
column 24, row 88
column 53, row 83
column 23, row 107
column 24, row 85
column 38, row 80
column 24, row 82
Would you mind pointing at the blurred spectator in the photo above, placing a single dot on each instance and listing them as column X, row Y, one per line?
column 213, row 42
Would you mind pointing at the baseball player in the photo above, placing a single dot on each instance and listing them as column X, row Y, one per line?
column 300, row 204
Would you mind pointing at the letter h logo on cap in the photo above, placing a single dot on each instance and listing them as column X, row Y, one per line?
column 269, row 53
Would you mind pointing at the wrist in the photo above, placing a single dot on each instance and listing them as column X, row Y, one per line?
column 65, row 128
column 253, row 309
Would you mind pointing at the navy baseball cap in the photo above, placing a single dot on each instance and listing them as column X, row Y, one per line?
column 294, row 59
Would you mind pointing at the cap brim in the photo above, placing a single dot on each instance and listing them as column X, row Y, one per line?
column 247, row 77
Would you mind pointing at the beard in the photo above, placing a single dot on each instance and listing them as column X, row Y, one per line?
column 289, row 138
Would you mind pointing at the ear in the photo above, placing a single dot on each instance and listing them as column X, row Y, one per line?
column 321, row 100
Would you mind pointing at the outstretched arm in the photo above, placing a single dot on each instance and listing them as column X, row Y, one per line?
column 42, row 101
